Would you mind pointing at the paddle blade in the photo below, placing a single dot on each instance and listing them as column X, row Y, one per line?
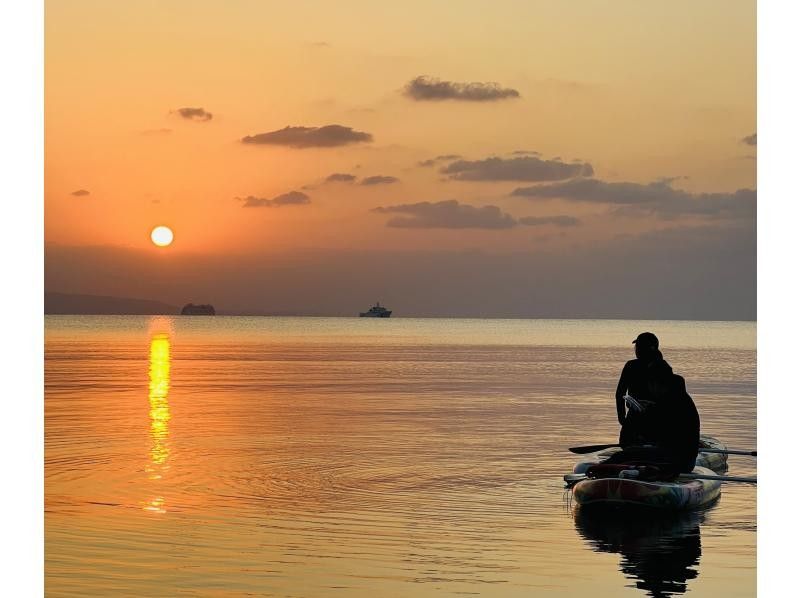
column 592, row 448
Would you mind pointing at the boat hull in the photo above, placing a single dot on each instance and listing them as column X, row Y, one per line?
column 385, row 314
column 677, row 495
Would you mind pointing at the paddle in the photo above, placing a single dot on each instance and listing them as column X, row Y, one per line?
column 593, row 448
column 721, row 478
column 573, row 478
column 729, row 451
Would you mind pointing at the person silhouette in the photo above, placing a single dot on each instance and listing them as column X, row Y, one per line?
column 633, row 391
column 662, row 425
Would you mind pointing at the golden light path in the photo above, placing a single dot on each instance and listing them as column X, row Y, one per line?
column 159, row 413
column 162, row 236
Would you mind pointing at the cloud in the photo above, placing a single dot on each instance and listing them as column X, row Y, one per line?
column 544, row 220
column 424, row 89
column 447, row 214
column 526, row 153
column 444, row 158
column 379, row 180
column 80, row 193
column 293, row 198
column 528, row 168
column 658, row 198
column 303, row 137
column 340, row 177
column 750, row 139
column 196, row 114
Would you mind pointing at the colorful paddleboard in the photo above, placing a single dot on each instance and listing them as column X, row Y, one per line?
column 674, row 495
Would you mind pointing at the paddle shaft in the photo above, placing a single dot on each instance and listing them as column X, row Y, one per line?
column 729, row 452
column 573, row 478
column 721, row 478
column 593, row 448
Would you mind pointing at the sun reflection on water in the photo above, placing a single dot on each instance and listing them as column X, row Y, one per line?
column 159, row 414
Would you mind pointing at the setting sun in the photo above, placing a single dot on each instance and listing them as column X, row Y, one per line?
column 162, row 236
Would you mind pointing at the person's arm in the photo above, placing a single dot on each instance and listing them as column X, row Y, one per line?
column 622, row 388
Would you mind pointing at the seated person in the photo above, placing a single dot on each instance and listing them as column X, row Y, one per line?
column 665, row 429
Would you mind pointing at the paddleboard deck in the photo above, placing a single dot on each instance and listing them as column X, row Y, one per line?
column 675, row 495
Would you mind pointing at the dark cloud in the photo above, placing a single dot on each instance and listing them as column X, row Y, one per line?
column 340, row 177
column 545, row 220
column 528, row 168
column 293, row 198
column 303, row 137
column 434, row 161
column 447, row 214
column 197, row 114
column 751, row 139
column 379, row 180
column 452, row 214
column 80, row 193
column 658, row 198
column 429, row 89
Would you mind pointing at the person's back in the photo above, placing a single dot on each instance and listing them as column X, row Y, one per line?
column 677, row 421
column 634, row 382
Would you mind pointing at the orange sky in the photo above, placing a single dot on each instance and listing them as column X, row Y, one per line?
column 639, row 91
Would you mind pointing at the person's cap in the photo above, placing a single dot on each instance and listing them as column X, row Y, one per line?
column 647, row 339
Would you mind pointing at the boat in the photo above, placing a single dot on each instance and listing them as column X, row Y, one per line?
column 676, row 494
column 190, row 309
column 376, row 311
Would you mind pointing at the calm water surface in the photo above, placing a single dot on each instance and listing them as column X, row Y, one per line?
column 233, row 456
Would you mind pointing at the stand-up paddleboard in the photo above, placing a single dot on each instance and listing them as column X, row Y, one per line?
column 672, row 495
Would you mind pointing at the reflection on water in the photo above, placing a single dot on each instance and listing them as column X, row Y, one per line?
column 661, row 551
column 159, row 414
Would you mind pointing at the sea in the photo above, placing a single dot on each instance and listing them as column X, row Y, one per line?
column 281, row 456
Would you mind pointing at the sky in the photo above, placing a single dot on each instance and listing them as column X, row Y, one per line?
column 488, row 159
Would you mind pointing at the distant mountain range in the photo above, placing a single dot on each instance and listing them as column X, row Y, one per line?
column 64, row 303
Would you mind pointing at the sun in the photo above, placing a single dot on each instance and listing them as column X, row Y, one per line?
column 162, row 236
